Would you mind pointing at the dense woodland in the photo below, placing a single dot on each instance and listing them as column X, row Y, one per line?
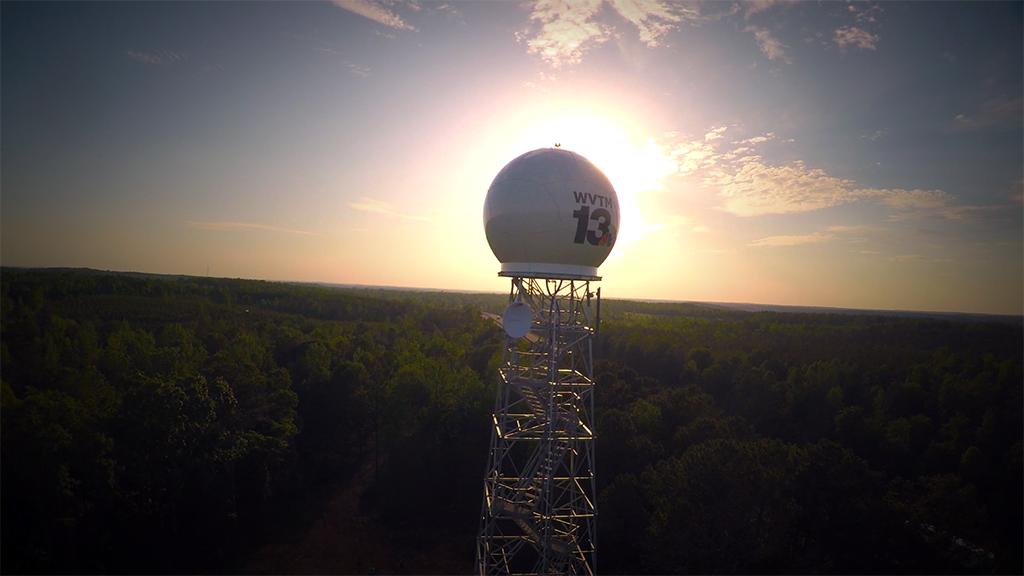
column 176, row 425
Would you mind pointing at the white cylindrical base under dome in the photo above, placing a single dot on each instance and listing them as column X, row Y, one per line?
column 542, row 270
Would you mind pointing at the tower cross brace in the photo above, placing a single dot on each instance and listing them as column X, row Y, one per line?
column 539, row 505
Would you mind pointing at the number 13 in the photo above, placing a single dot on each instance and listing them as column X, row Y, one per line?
column 583, row 217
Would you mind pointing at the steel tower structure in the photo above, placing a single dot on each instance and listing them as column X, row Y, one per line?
column 539, row 508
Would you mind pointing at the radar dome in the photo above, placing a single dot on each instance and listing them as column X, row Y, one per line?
column 551, row 213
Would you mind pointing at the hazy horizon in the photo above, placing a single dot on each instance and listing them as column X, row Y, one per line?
column 855, row 155
column 412, row 288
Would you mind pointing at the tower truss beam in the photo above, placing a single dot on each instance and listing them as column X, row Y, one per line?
column 538, row 514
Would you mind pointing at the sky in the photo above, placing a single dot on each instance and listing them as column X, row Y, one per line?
column 843, row 154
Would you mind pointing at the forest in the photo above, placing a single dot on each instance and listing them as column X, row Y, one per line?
column 171, row 425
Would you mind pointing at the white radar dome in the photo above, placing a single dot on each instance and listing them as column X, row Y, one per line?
column 551, row 213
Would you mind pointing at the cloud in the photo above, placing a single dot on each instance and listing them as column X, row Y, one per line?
column 752, row 188
column 977, row 212
column 205, row 69
column 1002, row 108
column 449, row 11
column 715, row 133
column 1000, row 111
column 157, row 57
column 692, row 156
column 567, row 31
column 737, row 151
column 197, row 67
column 701, row 229
column 919, row 258
column 357, row 69
column 1017, row 191
column 569, row 28
column 843, row 229
column 653, row 18
column 865, row 14
column 906, row 199
column 771, row 47
column 375, row 12
column 756, row 139
column 378, row 207
column 851, row 36
column 876, row 135
column 908, row 258
column 241, row 226
column 755, row 6
column 757, row 189
column 321, row 46
column 792, row 240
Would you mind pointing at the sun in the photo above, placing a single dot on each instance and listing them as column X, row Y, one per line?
column 631, row 169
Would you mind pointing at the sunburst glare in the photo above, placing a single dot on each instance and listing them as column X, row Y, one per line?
column 630, row 168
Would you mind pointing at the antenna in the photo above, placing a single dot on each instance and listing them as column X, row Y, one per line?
column 551, row 218
column 517, row 319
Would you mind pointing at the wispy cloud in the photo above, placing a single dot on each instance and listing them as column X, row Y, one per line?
column 792, row 240
column 1017, row 191
column 876, row 135
column 357, row 69
column 907, row 199
column 908, row 258
column 196, row 67
column 205, row 69
column 702, row 229
column 756, row 6
column 920, row 258
column 865, row 14
column 757, row 189
column 449, row 12
column 654, row 18
column 769, row 45
column 1001, row 111
column 978, row 213
column 376, row 12
column 692, row 156
column 567, row 30
column 847, row 36
column 378, row 207
column 241, row 227
column 313, row 42
column 756, row 139
column 752, row 187
column 715, row 133
column 570, row 28
column 845, row 229
column 157, row 57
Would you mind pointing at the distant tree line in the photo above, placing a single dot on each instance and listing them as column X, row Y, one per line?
column 780, row 442
column 174, row 425
column 156, row 426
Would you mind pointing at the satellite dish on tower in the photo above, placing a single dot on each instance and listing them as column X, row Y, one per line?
column 551, row 213
column 517, row 319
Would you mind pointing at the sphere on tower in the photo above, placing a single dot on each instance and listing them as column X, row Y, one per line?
column 551, row 213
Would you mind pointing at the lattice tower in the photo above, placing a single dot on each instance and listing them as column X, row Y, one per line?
column 539, row 495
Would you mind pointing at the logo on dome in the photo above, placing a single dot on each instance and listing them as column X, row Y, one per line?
column 609, row 237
